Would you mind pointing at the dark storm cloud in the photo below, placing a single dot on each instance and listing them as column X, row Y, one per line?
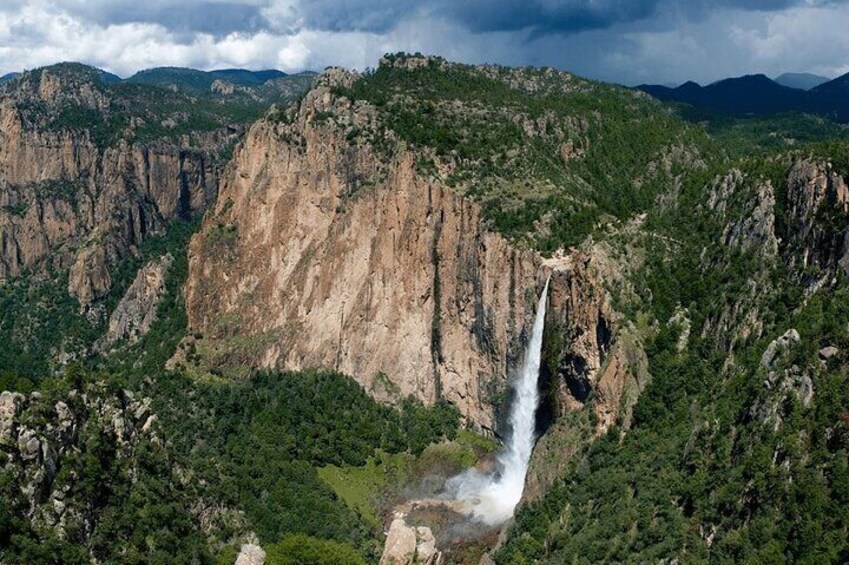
column 538, row 16
column 185, row 17
column 221, row 17
column 547, row 16
column 358, row 15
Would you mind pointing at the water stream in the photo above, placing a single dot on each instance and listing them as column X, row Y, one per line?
column 493, row 497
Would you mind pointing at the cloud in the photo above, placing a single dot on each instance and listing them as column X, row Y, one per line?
column 630, row 42
column 217, row 18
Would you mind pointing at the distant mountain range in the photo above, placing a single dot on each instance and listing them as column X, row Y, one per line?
column 759, row 95
column 201, row 81
column 191, row 80
column 802, row 81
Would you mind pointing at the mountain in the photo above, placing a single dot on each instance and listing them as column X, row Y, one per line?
column 836, row 87
column 195, row 81
column 802, row 81
column 9, row 77
column 244, row 77
column 234, row 331
column 757, row 95
column 830, row 99
column 750, row 94
column 191, row 80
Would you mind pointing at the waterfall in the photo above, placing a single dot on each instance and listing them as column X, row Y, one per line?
column 493, row 498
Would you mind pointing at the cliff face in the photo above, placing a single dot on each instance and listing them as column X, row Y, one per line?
column 136, row 312
column 594, row 370
column 818, row 204
column 67, row 202
column 399, row 285
column 323, row 252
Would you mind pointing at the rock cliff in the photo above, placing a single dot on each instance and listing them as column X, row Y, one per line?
column 324, row 249
column 70, row 199
column 399, row 284
column 818, row 204
column 136, row 311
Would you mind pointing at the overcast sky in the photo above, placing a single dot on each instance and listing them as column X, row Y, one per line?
column 627, row 41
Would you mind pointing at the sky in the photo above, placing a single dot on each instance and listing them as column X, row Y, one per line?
column 627, row 41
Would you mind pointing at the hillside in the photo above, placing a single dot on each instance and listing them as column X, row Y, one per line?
column 91, row 170
column 266, row 87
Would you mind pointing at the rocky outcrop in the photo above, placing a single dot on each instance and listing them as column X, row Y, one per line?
column 778, row 346
column 750, row 226
column 585, row 357
column 782, row 383
column 755, row 230
column 10, row 403
column 321, row 252
column 408, row 545
column 250, row 554
column 41, row 442
column 136, row 311
column 818, row 220
column 68, row 201
column 594, row 370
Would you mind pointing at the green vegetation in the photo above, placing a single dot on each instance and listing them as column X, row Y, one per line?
column 373, row 489
column 547, row 154
column 39, row 319
column 249, row 446
column 258, row 442
column 144, row 520
column 299, row 549
column 764, row 134
column 145, row 109
column 719, row 465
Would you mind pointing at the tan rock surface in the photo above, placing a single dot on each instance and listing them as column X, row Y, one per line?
column 68, row 202
column 400, row 278
column 136, row 311
column 408, row 545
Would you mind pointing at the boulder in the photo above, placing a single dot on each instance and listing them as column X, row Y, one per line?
column 250, row 554
column 406, row 545
column 778, row 346
column 828, row 352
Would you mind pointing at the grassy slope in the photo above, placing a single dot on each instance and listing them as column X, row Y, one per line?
column 371, row 489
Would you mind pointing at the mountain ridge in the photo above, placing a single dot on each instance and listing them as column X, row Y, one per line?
column 802, row 81
column 759, row 95
column 187, row 78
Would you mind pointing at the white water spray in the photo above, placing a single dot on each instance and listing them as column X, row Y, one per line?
column 492, row 498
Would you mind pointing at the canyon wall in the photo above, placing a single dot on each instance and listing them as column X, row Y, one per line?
column 324, row 252
column 398, row 285
column 69, row 202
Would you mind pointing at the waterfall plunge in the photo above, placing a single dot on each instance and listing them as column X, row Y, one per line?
column 492, row 498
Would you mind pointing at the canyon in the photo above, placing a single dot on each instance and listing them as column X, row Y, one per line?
column 293, row 330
